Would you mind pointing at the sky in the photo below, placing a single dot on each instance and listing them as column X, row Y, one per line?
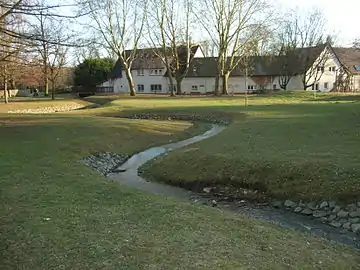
column 343, row 17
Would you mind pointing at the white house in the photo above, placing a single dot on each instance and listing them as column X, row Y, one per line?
column 148, row 72
column 326, row 68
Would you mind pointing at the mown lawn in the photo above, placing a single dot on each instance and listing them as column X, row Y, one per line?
column 58, row 214
column 288, row 145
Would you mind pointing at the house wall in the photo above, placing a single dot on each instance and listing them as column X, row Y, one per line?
column 356, row 79
column 295, row 83
column 121, row 84
column 328, row 77
column 207, row 84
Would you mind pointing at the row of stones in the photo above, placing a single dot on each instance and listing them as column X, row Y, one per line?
column 181, row 117
column 51, row 109
column 347, row 217
column 105, row 163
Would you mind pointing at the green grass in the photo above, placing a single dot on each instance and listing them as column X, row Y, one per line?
column 58, row 214
column 288, row 145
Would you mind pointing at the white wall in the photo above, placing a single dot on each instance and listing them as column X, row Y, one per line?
column 122, row 86
column 329, row 76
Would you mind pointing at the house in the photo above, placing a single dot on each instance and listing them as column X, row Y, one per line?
column 320, row 68
column 148, row 72
column 348, row 77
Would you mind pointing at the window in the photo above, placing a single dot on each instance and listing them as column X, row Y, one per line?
column 330, row 68
column 333, row 69
column 140, row 88
column 201, row 85
column 155, row 71
column 274, row 86
column 155, row 87
column 194, row 87
column 317, row 86
column 140, row 72
column 357, row 67
column 326, row 85
column 251, row 87
column 160, row 71
column 320, row 69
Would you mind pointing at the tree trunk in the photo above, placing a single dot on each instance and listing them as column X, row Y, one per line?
column 178, row 87
column 46, row 80
column 172, row 92
column 53, row 90
column 217, row 80
column 130, row 82
column 225, row 83
column 6, row 93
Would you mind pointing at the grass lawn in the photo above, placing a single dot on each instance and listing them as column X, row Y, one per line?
column 58, row 214
column 287, row 145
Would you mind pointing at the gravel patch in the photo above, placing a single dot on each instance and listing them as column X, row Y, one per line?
column 51, row 109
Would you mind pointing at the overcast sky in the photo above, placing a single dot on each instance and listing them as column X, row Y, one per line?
column 343, row 17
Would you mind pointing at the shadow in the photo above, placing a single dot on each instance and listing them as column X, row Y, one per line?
column 354, row 98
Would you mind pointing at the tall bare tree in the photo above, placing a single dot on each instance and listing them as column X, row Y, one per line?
column 301, row 43
column 168, row 23
column 120, row 23
column 232, row 24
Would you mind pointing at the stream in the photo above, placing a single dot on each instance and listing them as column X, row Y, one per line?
column 127, row 174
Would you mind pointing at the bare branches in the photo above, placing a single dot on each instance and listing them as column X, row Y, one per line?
column 120, row 24
column 232, row 25
column 168, row 24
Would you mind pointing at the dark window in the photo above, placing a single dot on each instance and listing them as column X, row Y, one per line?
column 317, row 86
column 194, row 87
column 140, row 72
column 274, row 86
column 326, row 85
column 140, row 88
column 155, row 87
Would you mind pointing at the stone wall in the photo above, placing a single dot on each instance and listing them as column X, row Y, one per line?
column 342, row 217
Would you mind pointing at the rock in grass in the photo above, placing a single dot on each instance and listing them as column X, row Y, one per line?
column 342, row 214
column 207, row 189
column 307, row 211
column 336, row 209
column 331, row 217
column 354, row 220
column 335, row 224
column 319, row 214
column 332, row 204
column 355, row 228
column 213, row 203
column 347, row 226
column 312, row 206
column 289, row 204
column 355, row 213
column 323, row 205
column 298, row 209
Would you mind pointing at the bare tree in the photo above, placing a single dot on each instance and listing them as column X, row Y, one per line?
column 232, row 24
column 56, row 66
column 168, row 23
column 302, row 43
column 120, row 23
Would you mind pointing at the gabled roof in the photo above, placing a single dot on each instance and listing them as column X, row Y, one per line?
column 260, row 65
column 147, row 59
column 349, row 57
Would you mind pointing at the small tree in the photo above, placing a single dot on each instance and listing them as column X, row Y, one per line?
column 92, row 72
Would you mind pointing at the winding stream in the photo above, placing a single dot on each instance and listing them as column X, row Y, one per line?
column 127, row 174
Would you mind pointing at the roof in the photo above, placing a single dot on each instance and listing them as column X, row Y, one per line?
column 260, row 65
column 349, row 57
column 147, row 59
